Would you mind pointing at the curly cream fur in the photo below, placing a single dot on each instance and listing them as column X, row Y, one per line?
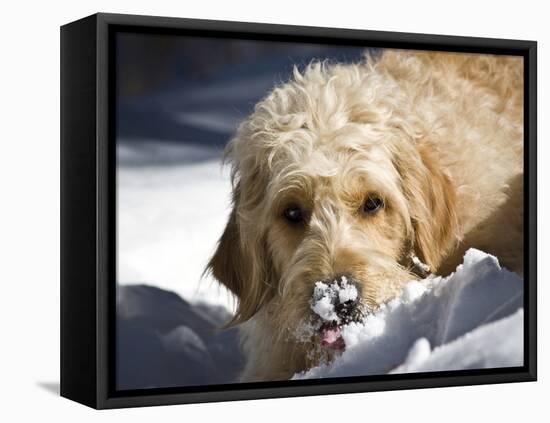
column 437, row 136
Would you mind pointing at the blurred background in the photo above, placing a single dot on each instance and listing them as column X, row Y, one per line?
column 179, row 100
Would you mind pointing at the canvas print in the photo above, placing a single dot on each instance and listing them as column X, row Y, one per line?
column 291, row 211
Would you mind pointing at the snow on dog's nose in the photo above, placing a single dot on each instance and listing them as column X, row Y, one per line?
column 337, row 303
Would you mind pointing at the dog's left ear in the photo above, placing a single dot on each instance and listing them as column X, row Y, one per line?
column 432, row 203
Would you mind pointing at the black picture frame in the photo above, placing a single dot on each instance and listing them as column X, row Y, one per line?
column 88, row 244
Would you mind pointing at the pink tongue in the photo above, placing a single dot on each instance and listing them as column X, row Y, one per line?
column 331, row 337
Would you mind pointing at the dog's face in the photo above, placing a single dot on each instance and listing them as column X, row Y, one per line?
column 328, row 183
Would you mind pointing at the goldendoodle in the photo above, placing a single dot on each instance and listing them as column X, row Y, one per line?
column 359, row 177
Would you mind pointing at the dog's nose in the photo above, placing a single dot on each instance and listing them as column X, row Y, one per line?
column 341, row 296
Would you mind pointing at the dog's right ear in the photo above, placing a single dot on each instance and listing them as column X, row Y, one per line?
column 242, row 272
column 227, row 262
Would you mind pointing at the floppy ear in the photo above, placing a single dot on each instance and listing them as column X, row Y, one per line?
column 227, row 263
column 432, row 200
column 240, row 265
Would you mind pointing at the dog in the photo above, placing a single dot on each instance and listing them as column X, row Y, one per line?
column 365, row 176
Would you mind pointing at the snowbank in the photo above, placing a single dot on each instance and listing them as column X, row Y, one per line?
column 163, row 341
column 470, row 319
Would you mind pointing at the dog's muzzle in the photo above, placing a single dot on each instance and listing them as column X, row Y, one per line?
column 336, row 302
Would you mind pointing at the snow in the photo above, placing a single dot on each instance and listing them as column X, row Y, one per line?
column 327, row 296
column 170, row 217
column 325, row 309
column 497, row 344
column 322, row 303
column 172, row 205
column 160, row 156
column 423, row 267
column 346, row 292
column 470, row 319
column 163, row 341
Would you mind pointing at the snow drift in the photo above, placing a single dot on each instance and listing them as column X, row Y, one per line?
column 165, row 341
column 469, row 320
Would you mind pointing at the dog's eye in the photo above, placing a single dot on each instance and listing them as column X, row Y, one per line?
column 373, row 204
column 294, row 214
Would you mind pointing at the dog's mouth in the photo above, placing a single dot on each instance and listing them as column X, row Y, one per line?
column 331, row 337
